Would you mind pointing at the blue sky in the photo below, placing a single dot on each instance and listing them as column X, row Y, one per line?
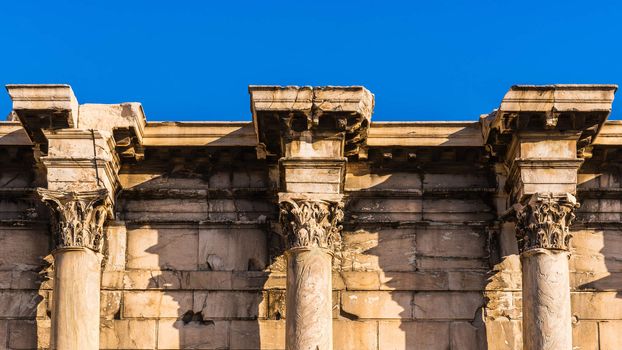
column 193, row 60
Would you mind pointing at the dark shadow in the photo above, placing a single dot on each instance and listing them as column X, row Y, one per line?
column 25, row 243
column 420, row 219
column 201, row 225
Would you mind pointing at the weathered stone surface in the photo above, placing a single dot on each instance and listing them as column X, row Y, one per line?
column 222, row 249
column 610, row 334
column 193, row 335
column 402, row 335
column 128, row 334
column 219, row 304
column 159, row 248
column 154, row 304
column 29, row 334
column 354, row 335
column 364, row 305
column 585, row 335
column 263, row 334
column 455, row 305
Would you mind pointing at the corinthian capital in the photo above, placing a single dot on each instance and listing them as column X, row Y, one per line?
column 311, row 223
column 544, row 221
column 77, row 218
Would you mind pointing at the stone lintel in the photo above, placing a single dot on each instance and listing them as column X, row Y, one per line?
column 582, row 109
column 285, row 113
column 44, row 106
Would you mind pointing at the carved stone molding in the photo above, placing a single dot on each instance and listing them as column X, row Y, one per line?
column 78, row 218
column 544, row 221
column 311, row 223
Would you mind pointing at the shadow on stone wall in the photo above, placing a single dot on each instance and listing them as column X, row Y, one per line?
column 431, row 264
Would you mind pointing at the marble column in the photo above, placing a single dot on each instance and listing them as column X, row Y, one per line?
column 311, row 229
column 543, row 234
column 77, row 220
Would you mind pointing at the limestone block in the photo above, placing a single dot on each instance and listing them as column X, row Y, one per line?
column 110, row 304
column 22, row 248
column 386, row 250
column 456, row 210
column 374, row 209
column 18, row 279
column 232, row 249
column 377, row 304
column 464, row 336
column 504, row 334
column 222, row 210
column 165, row 248
column 156, row 304
column 152, row 279
column 585, row 335
column 355, row 335
column 29, row 334
column 174, row 334
column 112, row 280
column 455, row 305
column 359, row 177
column 220, row 304
column 610, row 335
column 466, row 280
column 252, row 210
column 19, row 303
column 415, row 280
column 418, row 335
column 258, row 280
column 261, row 334
column 163, row 210
column 447, row 242
column 596, row 305
column 127, row 334
column 446, row 263
column 361, row 280
column 435, row 181
column 116, row 239
column 211, row 280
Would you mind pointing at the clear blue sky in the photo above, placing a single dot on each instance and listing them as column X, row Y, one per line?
column 193, row 60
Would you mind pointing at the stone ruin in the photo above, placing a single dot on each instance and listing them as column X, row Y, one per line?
column 312, row 228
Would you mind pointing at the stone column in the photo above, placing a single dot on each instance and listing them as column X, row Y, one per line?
column 311, row 229
column 77, row 220
column 544, row 236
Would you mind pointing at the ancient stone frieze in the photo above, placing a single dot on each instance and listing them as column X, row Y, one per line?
column 311, row 223
column 544, row 221
column 77, row 218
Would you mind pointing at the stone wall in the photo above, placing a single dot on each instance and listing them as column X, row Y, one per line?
column 195, row 255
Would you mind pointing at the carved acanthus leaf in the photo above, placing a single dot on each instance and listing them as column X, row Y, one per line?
column 544, row 221
column 78, row 218
column 311, row 223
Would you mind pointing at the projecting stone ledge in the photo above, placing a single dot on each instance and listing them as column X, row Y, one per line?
column 282, row 113
column 569, row 108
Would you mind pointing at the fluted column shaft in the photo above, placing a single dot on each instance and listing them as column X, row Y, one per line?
column 544, row 235
column 311, row 228
column 77, row 220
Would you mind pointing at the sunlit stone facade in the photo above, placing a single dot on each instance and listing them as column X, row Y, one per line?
column 311, row 227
